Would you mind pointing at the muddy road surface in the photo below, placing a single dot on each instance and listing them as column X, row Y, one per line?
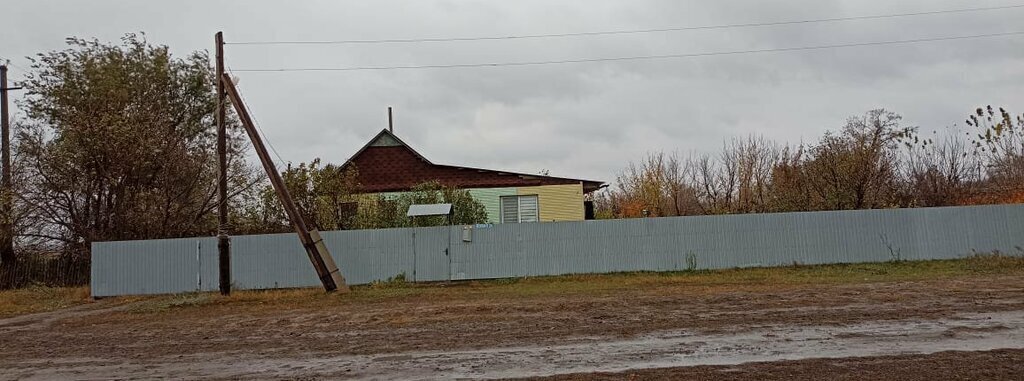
column 661, row 330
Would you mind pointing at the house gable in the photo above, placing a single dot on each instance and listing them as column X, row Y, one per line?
column 385, row 140
column 387, row 164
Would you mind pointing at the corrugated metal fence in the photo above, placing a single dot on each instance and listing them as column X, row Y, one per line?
column 517, row 250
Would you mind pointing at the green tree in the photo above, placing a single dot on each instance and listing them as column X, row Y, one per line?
column 390, row 212
column 326, row 196
column 789, row 186
column 120, row 144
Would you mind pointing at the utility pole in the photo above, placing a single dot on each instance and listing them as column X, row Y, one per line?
column 391, row 122
column 223, row 241
column 323, row 263
column 7, row 193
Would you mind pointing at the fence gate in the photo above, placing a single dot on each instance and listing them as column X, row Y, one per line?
column 154, row 267
column 431, row 254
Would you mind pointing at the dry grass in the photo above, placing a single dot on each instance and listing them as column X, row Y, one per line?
column 761, row 277
column 591, row 284
column 40, row 299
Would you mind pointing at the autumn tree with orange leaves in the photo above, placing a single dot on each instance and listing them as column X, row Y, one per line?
column 874, row 161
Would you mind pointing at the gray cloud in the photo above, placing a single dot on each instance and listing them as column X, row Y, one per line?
column 575, row 120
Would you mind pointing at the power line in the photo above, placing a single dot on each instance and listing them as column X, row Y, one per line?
column 638, row 58
column 7, row 62
column 11, row 64
column 258, row 128
column 626, row 31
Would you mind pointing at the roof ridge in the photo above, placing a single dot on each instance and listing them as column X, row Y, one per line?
column 588, row 184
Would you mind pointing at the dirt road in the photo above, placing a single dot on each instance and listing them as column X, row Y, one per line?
column 1002, row 364
column 477, row 332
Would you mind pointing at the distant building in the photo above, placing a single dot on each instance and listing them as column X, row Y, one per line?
column 386, row 165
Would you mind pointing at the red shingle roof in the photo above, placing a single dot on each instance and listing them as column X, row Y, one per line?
column 386, row 164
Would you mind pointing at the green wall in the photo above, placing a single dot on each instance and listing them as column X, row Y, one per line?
column 552, row 200
column 491, row 197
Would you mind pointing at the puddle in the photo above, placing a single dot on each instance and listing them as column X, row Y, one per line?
column 974, row 332
column 680, row 348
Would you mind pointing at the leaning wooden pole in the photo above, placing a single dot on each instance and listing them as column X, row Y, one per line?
column 322, row 261
column 223, row 241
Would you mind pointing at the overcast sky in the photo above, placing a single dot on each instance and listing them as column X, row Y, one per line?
column 578, row 120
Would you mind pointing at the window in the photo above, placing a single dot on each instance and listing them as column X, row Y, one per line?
column 517, row 209
column 346, row 215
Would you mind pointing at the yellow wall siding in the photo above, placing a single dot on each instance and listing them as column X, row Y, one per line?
column 557, row 202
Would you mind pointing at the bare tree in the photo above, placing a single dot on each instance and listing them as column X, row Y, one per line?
column 861, row 166
column 680, row 195
column 756, row 157
column 939, row 174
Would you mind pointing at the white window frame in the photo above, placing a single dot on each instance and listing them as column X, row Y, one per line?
column 519, row 208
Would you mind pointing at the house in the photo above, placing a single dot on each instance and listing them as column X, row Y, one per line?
column 387, row 165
